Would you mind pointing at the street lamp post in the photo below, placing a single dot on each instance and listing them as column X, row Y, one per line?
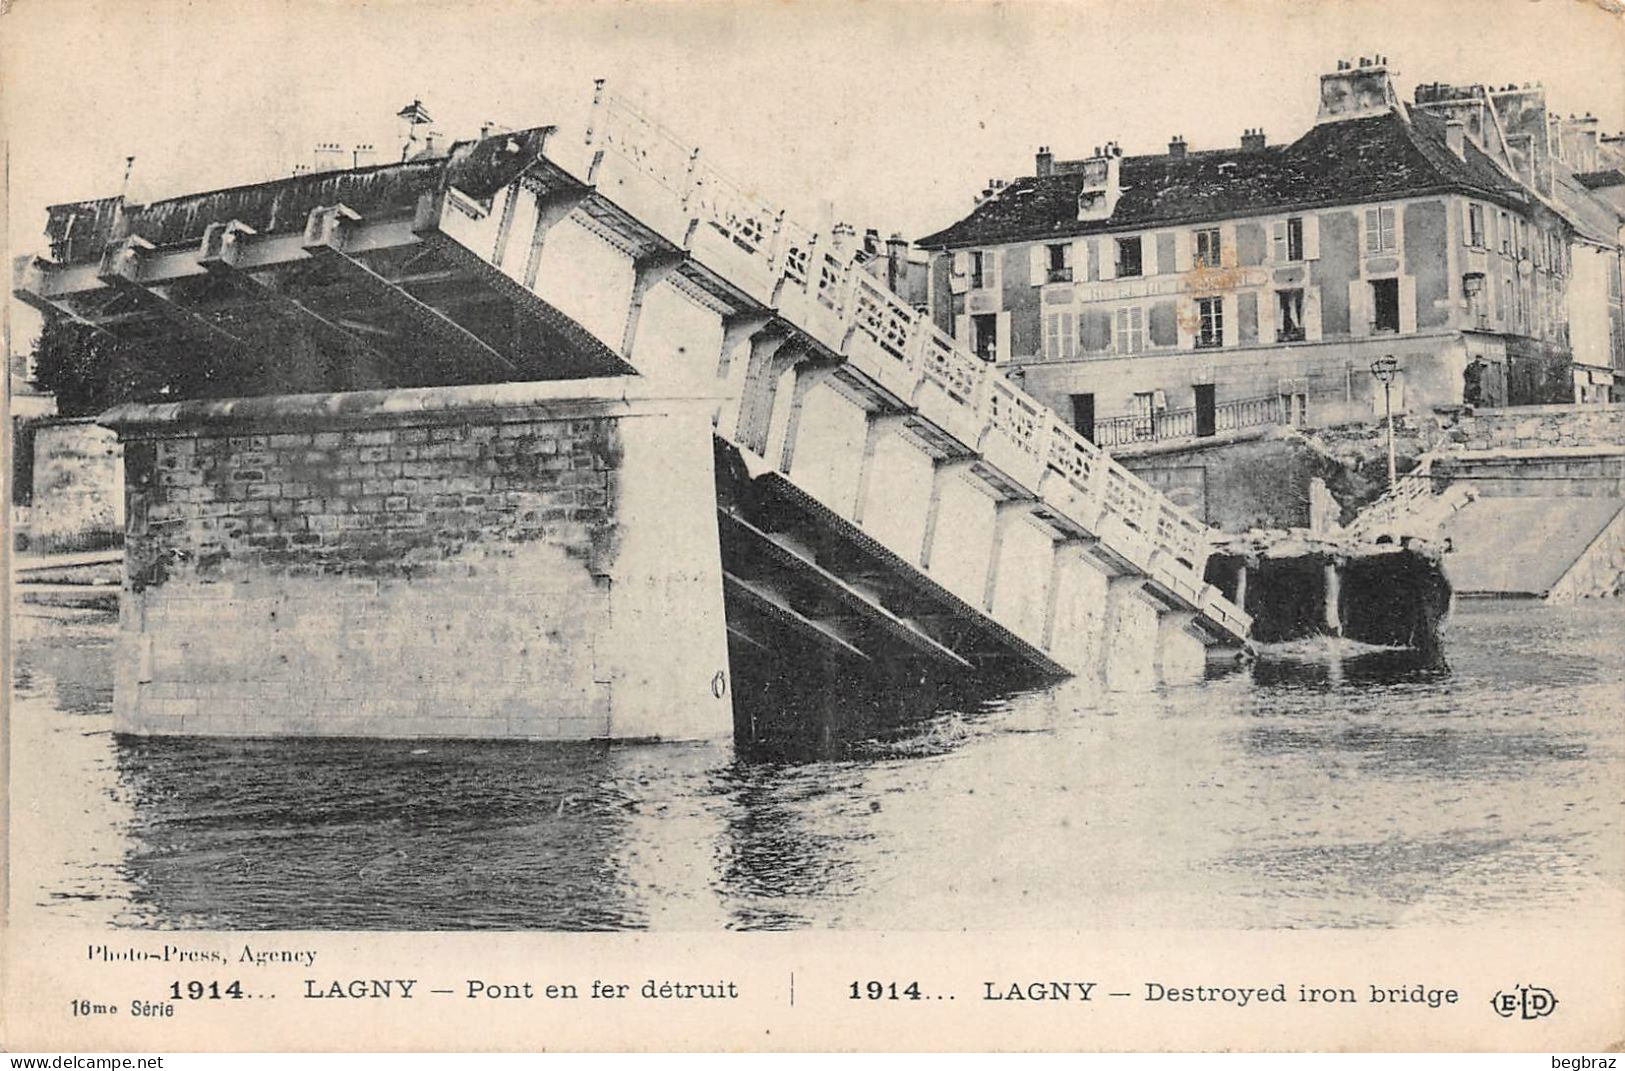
column 1386, row 368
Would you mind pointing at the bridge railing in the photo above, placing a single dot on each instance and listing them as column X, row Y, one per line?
column 1163, row 425
column 837, row 302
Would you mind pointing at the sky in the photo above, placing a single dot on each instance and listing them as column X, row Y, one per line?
column 895, row 113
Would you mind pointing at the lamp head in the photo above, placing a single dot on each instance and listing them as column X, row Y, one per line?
column 1385, row 368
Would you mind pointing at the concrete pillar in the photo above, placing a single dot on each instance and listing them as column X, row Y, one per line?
column 648, row 273
column 1181, row 655
column 551, row 209
column 880, row 425
column 1069, row 555
column 738, row 332
column 1129, row 643
column 1077, row 629
column 769, row 360
column 1006, row 515
column 1333, row 588
column 808, row 375
column 945, row 470
column 488, row 561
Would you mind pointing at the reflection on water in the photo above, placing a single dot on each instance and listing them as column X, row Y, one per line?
column 1306, row 790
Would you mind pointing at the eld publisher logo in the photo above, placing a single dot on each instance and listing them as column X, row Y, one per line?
column 1524, row 1002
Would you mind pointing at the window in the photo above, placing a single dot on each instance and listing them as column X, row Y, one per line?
column 1060, row 335
column 1130, row 333
column 1506, row 233
column 1289, row 316
column 1379, row 230
column 1058, row 260
column 1385, row 304
column 985, row 336
column 1128, row 256
column 980, row 270
column 1289, row 240
column 1207, row 248
column 1523, row 239
column 1472, row 289
column 1145, row 414
column 1210, row 312
column 1475, row 226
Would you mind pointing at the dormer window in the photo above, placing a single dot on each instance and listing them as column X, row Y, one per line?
column 1097, row 196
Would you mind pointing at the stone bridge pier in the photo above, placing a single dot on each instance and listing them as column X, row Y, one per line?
column 524, row 561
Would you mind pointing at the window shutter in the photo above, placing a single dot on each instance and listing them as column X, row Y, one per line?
column 1148, row 254
column 1278, row 229
column 1266, row 317
column 1228, row 329
column 1311, row 237
column 1407, row 305
column 1227, row 249
column 1467, row 223
column 1001, row 341
column 962, row 331
column 1038, row 265
column 1182, row 251
column 959, row 280
column 1108, row 258
column 992, row 263
column 1311, row 313
column 1359, row 314
column 1080, row 260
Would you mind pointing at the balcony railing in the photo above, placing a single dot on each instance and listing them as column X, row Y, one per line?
column 887, row 340
column 1169, row 424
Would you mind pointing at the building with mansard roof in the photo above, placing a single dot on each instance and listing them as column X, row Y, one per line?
column 1198, row 292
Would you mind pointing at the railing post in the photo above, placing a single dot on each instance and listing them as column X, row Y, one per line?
column 914, row 349
column 690, row 183
column 596, row 114
column 776, row 245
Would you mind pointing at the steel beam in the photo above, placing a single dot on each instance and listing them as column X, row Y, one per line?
column 326, row 237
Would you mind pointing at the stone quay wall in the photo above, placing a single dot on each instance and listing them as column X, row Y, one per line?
column 466, row 562
column 1536, row 427
column 76, row 492
column 1538, row 450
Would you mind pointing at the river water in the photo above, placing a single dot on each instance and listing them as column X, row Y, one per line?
column 1304, row 791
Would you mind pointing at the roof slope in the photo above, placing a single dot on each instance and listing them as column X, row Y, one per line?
column 1349, row 160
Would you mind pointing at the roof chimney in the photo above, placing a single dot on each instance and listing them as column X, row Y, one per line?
column 896, row 263
column 1044, row 166
column 1252, row 139
column 1176, row 147
column 1356, row 91
column 329, row 156
column 1455, row 136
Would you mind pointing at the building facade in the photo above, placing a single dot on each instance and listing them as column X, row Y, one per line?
column 1192, row 293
